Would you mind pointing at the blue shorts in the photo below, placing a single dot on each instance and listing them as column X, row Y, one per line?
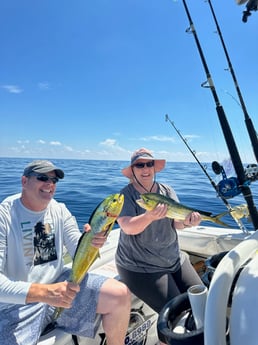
column 23, row 324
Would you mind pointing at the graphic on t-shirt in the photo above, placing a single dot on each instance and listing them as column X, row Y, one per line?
column 44, row 244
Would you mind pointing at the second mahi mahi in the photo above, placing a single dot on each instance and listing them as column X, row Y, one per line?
column 175, row 210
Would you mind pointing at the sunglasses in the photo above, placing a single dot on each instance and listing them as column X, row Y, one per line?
column 142, row 165
column 45, row 178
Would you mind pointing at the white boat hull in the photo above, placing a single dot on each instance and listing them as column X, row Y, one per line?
column 199, row 242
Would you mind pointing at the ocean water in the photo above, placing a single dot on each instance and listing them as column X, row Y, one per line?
column 88, row 182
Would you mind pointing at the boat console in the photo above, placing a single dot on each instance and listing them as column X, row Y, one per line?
column 231, row 304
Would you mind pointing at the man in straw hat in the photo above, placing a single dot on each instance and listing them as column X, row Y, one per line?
column 148, row 257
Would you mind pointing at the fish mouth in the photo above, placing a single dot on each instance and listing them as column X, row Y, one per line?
column 140, row 202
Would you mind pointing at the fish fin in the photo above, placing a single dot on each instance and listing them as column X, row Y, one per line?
column 218, row 221
column 93, row 213
column 205, row 213
column 80, row 240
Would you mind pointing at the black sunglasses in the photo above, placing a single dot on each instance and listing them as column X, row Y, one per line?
column 142, row 165
column 45, row 178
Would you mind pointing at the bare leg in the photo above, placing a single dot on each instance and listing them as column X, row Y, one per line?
column 114, row 304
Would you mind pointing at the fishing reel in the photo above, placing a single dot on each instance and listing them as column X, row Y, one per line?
column 252, row 5
column 228, row 187
column 251, row 172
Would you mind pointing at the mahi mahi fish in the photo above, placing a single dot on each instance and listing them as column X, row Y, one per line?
column 239, row 211
column 176, row 210
column 102, row 220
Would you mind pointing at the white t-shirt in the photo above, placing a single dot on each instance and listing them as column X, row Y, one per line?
column 31, row 246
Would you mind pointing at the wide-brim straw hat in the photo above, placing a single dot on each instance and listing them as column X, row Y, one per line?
column 143, row 153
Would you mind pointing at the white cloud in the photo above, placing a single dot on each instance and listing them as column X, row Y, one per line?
column 191, row 136
column 40, row 141
column 161, row 138
column 68, row 148
column 55, row 143
column 108, row 142
column 23, row 141
column 12, row 88
column 43, row 85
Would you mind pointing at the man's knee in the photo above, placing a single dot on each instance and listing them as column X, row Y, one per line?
column 123, row 295
column 114, row 295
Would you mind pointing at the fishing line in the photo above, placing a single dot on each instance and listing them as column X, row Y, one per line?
column 238, row 221
column 228, row 136
column 193, row 153
column 249, row 125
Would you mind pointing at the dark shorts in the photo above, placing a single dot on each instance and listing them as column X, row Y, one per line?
column 23, row 324
column 158, row 288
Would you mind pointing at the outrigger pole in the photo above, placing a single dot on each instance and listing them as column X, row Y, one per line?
column 249, row 125
column 235, row 157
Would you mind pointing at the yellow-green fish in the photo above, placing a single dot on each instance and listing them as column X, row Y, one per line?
column 102, row 220
column 239, row 211
column 176, row 210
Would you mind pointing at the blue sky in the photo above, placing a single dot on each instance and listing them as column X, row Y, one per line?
column 94, row 79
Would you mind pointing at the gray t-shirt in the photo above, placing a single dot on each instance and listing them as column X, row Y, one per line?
column 156, row 248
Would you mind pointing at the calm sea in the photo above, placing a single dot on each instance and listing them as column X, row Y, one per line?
column 88, row 182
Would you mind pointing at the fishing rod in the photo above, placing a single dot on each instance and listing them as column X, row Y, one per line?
column 235, row 157
column 249, row 125
column 195, row 157
column 238, row 221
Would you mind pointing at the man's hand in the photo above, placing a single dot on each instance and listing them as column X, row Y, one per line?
column 59, row 294
column 99, row 239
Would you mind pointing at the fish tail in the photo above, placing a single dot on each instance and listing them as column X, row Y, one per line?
column 220, row 222
column 57, row 313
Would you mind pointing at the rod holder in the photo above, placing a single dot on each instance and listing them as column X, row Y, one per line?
column 197, row 295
